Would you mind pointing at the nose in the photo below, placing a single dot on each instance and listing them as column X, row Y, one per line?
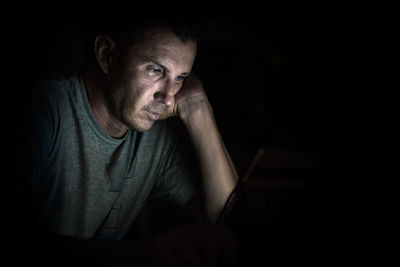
column 166, row 93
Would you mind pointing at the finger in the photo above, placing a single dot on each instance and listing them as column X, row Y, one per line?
column 169, row 112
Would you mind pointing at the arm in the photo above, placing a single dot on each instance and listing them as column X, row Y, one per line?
column 217, row 170
column 196, row 243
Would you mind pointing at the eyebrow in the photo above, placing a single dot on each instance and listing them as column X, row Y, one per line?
column 154, row 60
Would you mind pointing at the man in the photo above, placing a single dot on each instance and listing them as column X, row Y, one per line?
column 98, row 145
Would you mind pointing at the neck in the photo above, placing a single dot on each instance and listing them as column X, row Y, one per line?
column 95, row 91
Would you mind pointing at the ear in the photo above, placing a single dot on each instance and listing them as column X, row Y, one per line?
column 105, row 49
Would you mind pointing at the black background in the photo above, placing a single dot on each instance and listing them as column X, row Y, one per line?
column 277, row 77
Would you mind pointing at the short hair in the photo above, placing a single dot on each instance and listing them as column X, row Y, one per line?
column 128, row 28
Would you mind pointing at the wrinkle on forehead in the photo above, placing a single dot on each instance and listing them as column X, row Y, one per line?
column 166, row 47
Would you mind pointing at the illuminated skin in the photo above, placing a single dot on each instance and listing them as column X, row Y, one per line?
column 141, row 82
column 136, row 87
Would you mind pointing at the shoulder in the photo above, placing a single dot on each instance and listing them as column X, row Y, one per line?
column 54, row 88
column 47, row 98
column 54, row 94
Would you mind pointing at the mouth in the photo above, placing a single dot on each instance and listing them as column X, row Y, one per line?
column 153, row 115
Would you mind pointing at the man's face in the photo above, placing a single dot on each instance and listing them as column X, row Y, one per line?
column 146, row 78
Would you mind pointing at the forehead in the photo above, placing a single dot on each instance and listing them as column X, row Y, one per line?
column 163, row 44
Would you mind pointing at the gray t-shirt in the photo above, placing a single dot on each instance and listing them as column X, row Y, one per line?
column 87, row 184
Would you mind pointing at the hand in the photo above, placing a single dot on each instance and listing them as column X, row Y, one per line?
column 189, row 97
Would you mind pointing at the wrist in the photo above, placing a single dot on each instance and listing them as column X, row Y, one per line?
column 194, row 111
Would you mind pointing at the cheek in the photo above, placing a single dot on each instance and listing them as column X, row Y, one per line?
column 140, row 93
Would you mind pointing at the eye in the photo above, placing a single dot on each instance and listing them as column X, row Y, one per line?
column 180, row 78
column 154, row 70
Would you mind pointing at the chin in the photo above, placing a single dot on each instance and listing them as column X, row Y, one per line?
column 142, row 126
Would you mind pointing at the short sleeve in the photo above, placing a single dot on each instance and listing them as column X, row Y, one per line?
column 37, row 135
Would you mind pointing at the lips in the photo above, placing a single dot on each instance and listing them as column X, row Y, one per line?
column 155, row 109
column 153, row 115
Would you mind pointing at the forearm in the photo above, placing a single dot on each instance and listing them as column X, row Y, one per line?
column 218, row 172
